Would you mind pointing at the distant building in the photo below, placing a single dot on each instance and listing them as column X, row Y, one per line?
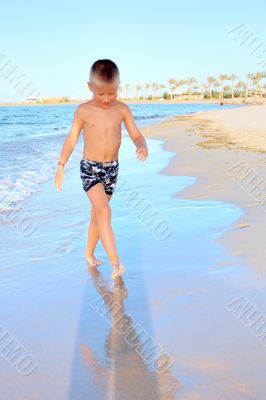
column 33, row 100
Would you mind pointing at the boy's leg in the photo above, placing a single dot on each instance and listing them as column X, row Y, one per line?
column 93, row 237
column 102, row 209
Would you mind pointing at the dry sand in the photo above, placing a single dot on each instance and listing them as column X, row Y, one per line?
column 242, row 127
column 225, row 150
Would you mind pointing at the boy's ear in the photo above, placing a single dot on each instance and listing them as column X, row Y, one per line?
column 90, row 86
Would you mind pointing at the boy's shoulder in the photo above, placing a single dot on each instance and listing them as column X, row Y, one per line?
column 90, row 105
column 124, row 107
column 82, row 109
column 83, row 106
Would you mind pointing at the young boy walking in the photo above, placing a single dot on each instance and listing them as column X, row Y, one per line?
column 101, row 119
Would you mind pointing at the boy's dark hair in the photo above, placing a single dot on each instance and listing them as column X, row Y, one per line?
column 105, row 69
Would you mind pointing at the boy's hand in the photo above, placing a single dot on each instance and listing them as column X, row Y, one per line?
column 58, row 180
column 142, row 153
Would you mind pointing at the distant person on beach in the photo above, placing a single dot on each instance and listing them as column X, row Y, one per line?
column 253, row 94
column 101, row 119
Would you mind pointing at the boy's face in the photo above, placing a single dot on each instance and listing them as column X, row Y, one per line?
column 104, row 93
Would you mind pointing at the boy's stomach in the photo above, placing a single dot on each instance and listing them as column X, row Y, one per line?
column 103, row 149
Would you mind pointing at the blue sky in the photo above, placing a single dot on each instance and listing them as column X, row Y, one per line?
column 54, row 43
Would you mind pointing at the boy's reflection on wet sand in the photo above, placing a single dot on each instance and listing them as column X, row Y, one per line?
column 126, row 375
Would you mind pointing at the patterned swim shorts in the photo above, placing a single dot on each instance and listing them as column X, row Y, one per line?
column 93, row 172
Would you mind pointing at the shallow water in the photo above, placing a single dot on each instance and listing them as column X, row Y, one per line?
column 31, row 139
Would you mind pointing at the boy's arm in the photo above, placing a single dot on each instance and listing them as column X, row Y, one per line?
column 72, row 138
column 137, row 138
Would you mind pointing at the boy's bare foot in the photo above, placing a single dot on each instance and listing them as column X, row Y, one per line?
column 92, row 260
column 118, row 269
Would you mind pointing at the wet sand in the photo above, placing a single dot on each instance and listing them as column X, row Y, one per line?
column 93, row 338
column 226, row 151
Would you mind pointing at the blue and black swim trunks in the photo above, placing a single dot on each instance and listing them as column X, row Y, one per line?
column 93, row 172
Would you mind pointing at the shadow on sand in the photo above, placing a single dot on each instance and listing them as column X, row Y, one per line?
column 123, row 370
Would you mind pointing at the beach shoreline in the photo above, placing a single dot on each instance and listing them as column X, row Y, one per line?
column 208, row 149
column 237, row 101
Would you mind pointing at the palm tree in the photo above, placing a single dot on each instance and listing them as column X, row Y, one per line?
column 264, row 87
column 127, row 88
column 217, row 84
column 176, row 86
column 227, row 89
column 258, row 77
column 155, row 88
column 251, row 77
column 211, row 81
column 180, row 84
column 141, row 88
column 161, row 87
column 195, row 89
column 120, row 90
column 223, row 77
column 232, row 78
column 239, row 87
column 248, row 78
column 190, row 82
column 138, row 87
column 245, row 87
column 172, row 83
column 147, row 86
column 204, row 88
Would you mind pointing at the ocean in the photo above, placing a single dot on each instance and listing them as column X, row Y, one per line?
column 31, row 138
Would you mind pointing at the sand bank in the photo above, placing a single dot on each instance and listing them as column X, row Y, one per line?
column 242, row 127
column 236, row 100
column 225, row 150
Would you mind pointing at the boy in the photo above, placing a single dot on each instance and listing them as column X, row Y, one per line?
column 101, row 119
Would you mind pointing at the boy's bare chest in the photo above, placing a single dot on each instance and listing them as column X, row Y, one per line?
column 103, row 124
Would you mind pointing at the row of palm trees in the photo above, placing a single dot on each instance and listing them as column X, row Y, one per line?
column 144, row 91
column 213, row 87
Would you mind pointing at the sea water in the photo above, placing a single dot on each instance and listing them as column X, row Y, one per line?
column 31, row 138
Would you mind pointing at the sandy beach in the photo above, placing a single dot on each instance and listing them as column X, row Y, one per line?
column 52, row 102
column 225, row 150
column 184, row 292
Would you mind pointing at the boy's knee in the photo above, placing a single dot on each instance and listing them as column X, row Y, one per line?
column 103, row 210
column 93, row 212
